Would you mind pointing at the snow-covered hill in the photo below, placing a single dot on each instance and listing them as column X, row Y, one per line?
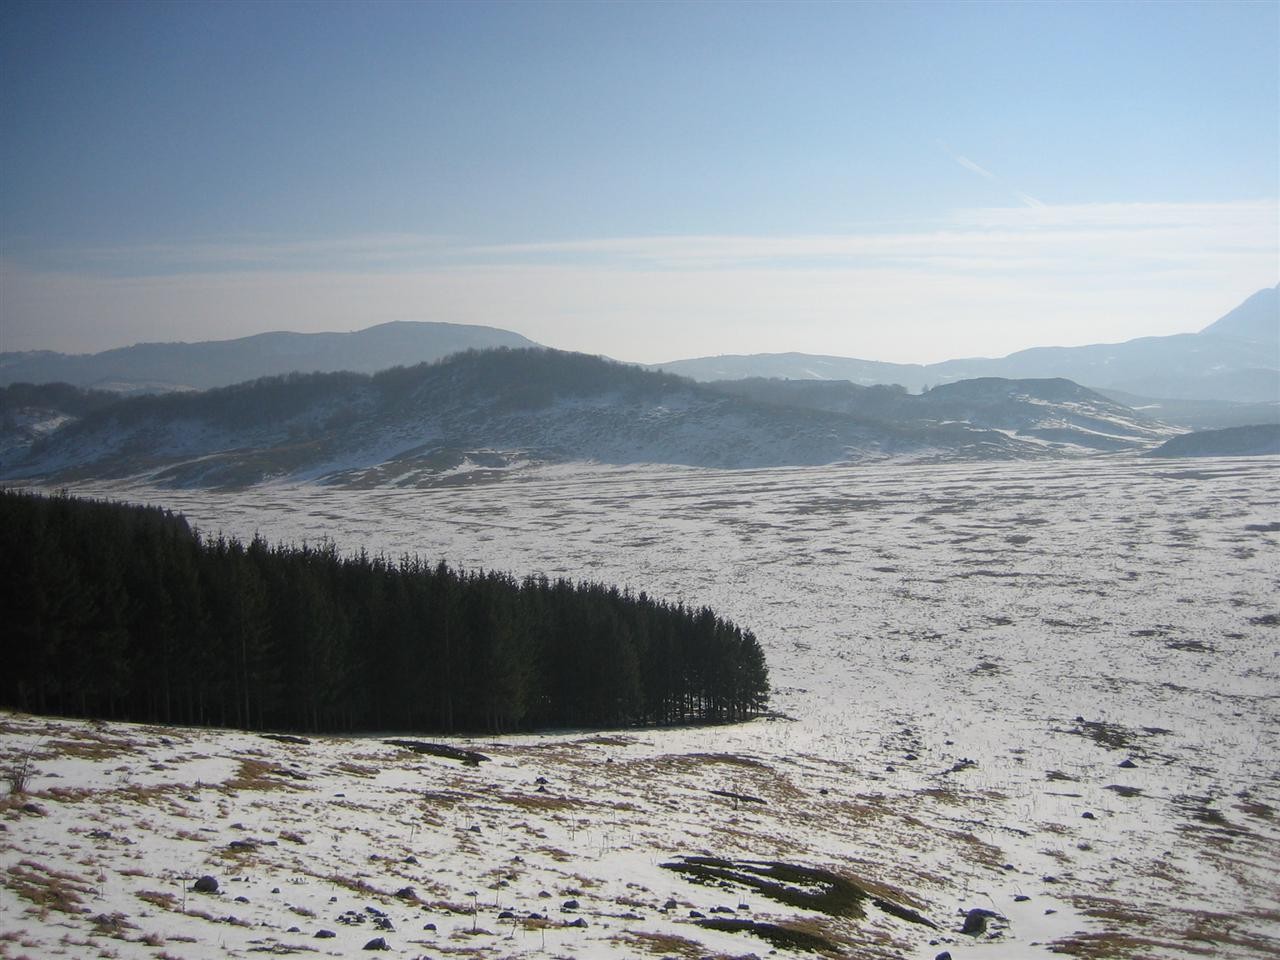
column 1047, row 690
column 1057, row 413
column 488, row 410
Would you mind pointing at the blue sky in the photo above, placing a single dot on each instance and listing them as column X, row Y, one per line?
column 903, row 181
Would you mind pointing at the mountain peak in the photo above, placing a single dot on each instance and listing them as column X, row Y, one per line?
column 1258, row 318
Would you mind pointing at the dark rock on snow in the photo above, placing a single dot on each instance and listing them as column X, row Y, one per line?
column 975, row 921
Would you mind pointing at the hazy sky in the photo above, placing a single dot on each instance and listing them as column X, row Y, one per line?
column 895, row 181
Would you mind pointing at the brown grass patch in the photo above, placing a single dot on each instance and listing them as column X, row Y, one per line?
column 47, row 888
column 663, row 944
column 256, row 775
column 555, row 853
column 731, row 759
column 157, row 898
column 87, row 745
column 358, row 769
column 537, row 801
column 1110, row 945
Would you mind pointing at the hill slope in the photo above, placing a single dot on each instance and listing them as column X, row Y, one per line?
column 158, row 367
column 1253, row 441
column 484, row 410
column 1053, row 411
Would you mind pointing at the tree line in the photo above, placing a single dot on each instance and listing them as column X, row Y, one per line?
column 126, row 612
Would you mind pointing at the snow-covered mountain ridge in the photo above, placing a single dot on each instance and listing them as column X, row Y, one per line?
column 1235, row 359
column 489, row 409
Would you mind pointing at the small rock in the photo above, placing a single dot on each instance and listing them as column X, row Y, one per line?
column 429, row 926
column 406, row 893
column 1127, row 764
column 475, row 828
column 570, row 905
column 506, row 915
column 910, row 756
column 294, row 930
column 275, row 889
column 34, row 809
column 944, row 955
column 205, row 884
column 411, row 859
column 696, row 914
column 581, row 923
column 1087, row 815
column 1021, row 898
column 242, row 899
column 325, row 934
column 544, row 895
column 377, row 943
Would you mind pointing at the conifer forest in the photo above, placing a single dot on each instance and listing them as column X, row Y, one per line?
column 127, row 612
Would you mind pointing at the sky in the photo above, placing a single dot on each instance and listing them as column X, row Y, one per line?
column 649, row 181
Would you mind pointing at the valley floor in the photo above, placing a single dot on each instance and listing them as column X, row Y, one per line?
column 1050, row 690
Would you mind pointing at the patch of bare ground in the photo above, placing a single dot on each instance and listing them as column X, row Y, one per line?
column 1110, row 945
column 47, row 888
column 157, row 898
column 731, row 759
column 605, row 741
column 1256, row 809
column 86, row 743
column 663, row 944
column 544, row 801
column 256, row 774
column 357, row 769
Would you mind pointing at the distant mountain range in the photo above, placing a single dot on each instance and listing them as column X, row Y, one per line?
column 1195, row 377
column 477, row 412
column 160, row 367
column 1235, row 359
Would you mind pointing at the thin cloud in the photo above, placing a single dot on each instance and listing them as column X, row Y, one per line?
column 1022, row 196
column 970, row 165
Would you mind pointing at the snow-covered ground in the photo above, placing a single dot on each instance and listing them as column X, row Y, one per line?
column 1050, row 690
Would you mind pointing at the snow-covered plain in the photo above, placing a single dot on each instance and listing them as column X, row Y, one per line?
column 1046, row 621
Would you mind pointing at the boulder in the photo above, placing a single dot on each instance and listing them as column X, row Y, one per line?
column 975, row 921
